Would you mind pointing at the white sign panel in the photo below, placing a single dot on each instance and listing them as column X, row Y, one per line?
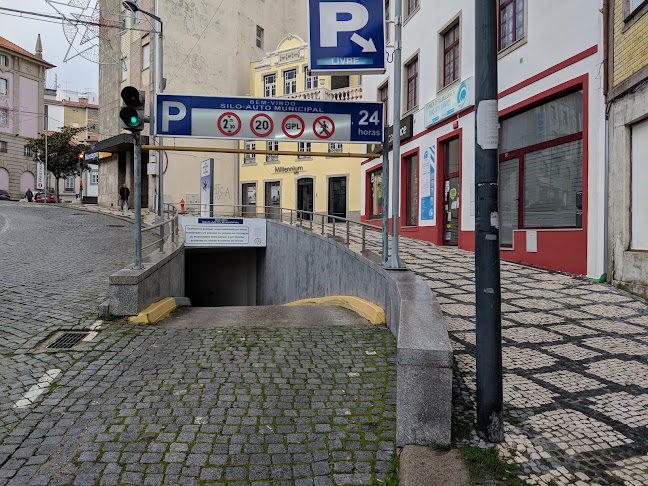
column 206, row 183
column 224, row 232
column 450, row 102
column 40, row 176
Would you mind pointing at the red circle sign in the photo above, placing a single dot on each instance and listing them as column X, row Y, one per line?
column 229, row 124
column 261, row 125
column 324, row 127
column 293, row 126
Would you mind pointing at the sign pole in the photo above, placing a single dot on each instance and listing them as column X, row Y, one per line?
column 45, row 178
column 487, row 252
column 137, row 170
column 394, row 262
column 385, row 196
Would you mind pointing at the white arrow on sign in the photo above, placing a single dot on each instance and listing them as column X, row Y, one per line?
column 330, row 26
column 367, row 45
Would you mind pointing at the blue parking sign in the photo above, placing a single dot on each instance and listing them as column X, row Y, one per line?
column 347, row 36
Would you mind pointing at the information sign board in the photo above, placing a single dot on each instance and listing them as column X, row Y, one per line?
column 280, row 119
column 223, row 232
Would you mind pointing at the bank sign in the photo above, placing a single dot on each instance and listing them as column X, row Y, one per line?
column 450, row 102
column 347, row 36
column 280, row 119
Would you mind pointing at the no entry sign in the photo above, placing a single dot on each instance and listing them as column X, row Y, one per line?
column 269, row 119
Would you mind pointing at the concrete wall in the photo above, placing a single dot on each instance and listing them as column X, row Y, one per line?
column 325, row 268
column 163, row 276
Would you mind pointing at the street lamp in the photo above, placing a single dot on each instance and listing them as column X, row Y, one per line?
column 159, row 87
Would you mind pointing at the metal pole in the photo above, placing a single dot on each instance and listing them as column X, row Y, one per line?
column 45, row 175
column 385, row 196
column 160, row 88
column 487, row 251
column 394, row 261
column 137, row 169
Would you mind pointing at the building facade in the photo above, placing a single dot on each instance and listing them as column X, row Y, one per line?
column 627, row 125
column 551, row 132
column 22, row 76
column 208, row 48
column 325, row 185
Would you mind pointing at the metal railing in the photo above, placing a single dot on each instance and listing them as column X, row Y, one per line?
column 352, row 93
column 351, row 232
column 171, row 213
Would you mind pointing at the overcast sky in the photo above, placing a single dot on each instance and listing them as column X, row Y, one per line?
column 77, row 74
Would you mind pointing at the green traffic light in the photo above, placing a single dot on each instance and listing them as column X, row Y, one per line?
column 134, row 121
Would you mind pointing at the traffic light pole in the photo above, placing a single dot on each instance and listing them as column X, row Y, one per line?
column 137, row 170
column 487, row 252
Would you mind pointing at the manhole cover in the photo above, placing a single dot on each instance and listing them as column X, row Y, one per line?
column 68, row 340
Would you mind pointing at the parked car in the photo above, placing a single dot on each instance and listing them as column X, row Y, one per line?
column 4, row 195
column 39, row 197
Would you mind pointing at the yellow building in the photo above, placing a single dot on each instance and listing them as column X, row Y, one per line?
column 305, row 183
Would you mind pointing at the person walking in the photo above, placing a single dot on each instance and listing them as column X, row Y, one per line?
column 29, row 195
column 124, row 193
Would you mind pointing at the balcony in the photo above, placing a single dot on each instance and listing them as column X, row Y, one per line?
column 352, row 93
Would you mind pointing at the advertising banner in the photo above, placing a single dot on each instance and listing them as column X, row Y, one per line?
column 206, row 184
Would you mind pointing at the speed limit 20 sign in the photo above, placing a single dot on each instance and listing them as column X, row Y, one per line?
column 269, row 119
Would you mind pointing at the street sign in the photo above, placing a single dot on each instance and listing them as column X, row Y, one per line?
column 40, row 176
column 347, row 36
column 280, row 119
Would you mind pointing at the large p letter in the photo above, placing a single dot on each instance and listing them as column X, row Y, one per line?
column 167, row 116
column 330, row 26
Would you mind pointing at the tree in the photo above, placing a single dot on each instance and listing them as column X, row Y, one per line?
column 62, row 152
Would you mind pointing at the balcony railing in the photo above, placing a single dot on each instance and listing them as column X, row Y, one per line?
column 353, row 93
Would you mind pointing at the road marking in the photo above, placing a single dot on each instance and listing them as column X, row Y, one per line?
column 38, row 389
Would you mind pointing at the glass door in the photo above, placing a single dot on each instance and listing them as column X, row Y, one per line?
column 273, row 200
column 451, row 208
column 248, row 200
column 337, row 200
column 305, row 198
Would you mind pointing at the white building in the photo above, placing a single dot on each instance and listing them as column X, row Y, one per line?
column 551, row 130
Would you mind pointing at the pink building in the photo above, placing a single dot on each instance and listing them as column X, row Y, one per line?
column 22, row 76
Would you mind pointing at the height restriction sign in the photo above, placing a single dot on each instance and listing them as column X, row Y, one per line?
column 269, row 119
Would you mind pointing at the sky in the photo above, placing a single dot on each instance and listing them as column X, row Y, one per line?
column 77, row 74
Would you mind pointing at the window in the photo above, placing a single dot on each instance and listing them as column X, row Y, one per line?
column 270, row 85
column 69, row 183
column 303, row 147
column 272, row 145
column 634, row 5
column 376, row 197
column 28, row 151
column 4, row 61
column 250, row 158
column 335, row 148
column 387, row 25
column 146, row 56
column 412, row 84
column 3, row 145
column 541, row 167
column 639, row 178
column 411, row 190
column 124, row 69
column 259, row 37
column 339, row 82
column 311, row 81
column 3, row 117
column 94, row 177
column 411, row 6
column 383, row 95
column 3, row 86
column 290, row 81
column 451, row 55
column 511, row 24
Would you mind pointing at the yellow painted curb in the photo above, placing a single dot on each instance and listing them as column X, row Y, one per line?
column 372, row 312
column 155, row 312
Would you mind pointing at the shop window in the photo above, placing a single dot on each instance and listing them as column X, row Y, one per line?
column 249, row 199
column 639, row 195
column 411, row 190
column 411, row 71
column 541, row 167
column 450, row 57
column 290, row 81
column 511, row 22
column 375, row 183
column 250, row 158
column 270, row 85
column 274, row 146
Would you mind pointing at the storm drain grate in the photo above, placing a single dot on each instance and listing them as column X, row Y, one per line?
column 68, row 340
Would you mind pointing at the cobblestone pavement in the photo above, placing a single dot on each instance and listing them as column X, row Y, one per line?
column 153, row 405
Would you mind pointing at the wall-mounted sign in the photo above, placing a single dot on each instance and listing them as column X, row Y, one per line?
column 224, row 232
column 94, row 155
column 450, row 102
column 406, row 131
column 293, row 169
column 206, row 184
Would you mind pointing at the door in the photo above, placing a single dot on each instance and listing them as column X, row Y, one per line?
column 451, row 208
column 248, row 199
column 305, row 198
column 273, row 200
column 509, row 200
column 337, row 200
column 411, row 191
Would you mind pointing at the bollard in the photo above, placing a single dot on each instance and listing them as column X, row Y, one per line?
column 364, row 232
column 334, row 226
column 348, row 229
column 322, row 224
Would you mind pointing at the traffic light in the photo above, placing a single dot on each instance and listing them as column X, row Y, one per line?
column 81, row 159
column 132, row 112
